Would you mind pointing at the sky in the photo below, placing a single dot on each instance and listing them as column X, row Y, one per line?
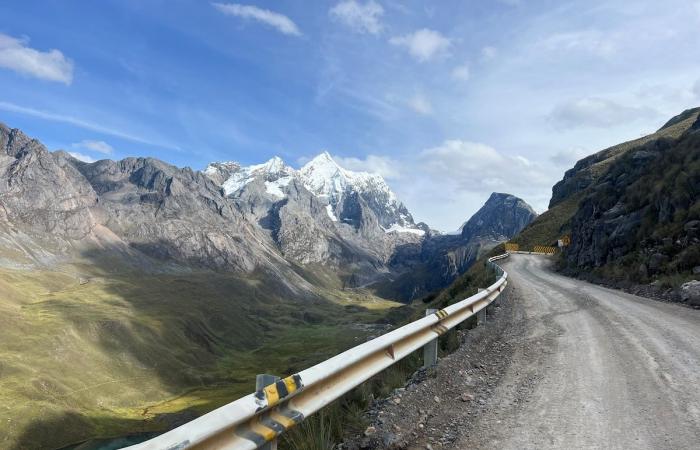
column 449, row 100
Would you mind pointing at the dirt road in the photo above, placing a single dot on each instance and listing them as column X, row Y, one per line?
column 621, row 371
column 564, row 365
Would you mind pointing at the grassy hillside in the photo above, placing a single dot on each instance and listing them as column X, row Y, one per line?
column 550, row 225
column 103, row 354
column 344, row 417
column 585, row 178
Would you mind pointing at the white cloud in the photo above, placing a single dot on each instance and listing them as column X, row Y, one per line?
column 596, row 112
column 82, row 157
column 696, row 89
column 80, row 123
column 362, row 18
column 51, row 65
column 420, row 104
column 477, row 167
column 387, row 167
column 424, row 44
column 461, row 73
column 95, row 146
column 282, row 23
column 488, row 53
column 567, row 158
column 589, row 41
column 444, row 185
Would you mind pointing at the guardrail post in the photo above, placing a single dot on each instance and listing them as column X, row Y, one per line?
column 430, row 350
column 481, row 314
column 261, row 381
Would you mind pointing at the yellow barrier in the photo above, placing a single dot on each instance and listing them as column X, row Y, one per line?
column 544, row 249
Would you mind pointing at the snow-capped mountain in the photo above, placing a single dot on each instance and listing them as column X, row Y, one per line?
column 335, row 186
column 320, row 225
column 275, row 174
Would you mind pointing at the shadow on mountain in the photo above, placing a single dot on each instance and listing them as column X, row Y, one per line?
column 424, row 269
column 73, row 427
column 177, row 331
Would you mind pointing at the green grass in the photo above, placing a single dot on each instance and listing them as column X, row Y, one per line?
column 550, row 226
column 129, row 353
column 346, row 415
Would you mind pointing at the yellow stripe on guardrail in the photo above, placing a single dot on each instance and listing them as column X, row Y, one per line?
column 544, row 249
column 441, row 314
column 440, row 329
column 273, row 393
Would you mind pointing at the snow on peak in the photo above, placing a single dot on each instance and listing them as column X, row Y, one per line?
column 274, row 172
column 214, row 167
column 403, row 229
column 324, row 178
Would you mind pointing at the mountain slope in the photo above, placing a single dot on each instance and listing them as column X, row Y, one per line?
column 632, row 211
column 135, row 294
column 584, row 177
column 641, row 223
column 502, row 217
column 442, row 258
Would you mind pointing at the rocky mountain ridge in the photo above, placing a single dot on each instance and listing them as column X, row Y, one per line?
column 270, row 218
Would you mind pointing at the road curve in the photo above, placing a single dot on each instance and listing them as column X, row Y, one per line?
column 614, row 371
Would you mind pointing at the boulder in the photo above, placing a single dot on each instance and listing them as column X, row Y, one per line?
column 692, row 225
column 656, row 261
column 690, row 292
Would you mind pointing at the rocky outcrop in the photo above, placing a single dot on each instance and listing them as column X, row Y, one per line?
column 172, row 214
column 138, row 210
column 42, row 192
column 588, row 170
column 690, row 293
column 502, row 217
column 639, row 219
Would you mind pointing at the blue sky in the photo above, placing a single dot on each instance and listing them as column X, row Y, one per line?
column 449, row 100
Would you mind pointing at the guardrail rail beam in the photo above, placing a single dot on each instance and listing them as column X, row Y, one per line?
column 259, row 418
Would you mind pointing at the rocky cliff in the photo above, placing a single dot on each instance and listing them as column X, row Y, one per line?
column 632, row 212
column 640, row 221
column 441, row 258
column 502, row 217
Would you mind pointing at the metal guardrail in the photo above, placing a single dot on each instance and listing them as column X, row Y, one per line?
column 250, row 422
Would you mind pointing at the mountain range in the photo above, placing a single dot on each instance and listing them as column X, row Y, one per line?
column 270, row 217
column 191, row 282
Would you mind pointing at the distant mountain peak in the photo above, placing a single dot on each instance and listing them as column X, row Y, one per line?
column 323, row 177
column 322, row 159
column 274, row 165
column 502, row 217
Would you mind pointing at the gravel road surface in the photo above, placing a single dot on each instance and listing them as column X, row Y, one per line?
column 564, row 364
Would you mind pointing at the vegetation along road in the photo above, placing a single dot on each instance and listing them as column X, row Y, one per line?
column 566, row 364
